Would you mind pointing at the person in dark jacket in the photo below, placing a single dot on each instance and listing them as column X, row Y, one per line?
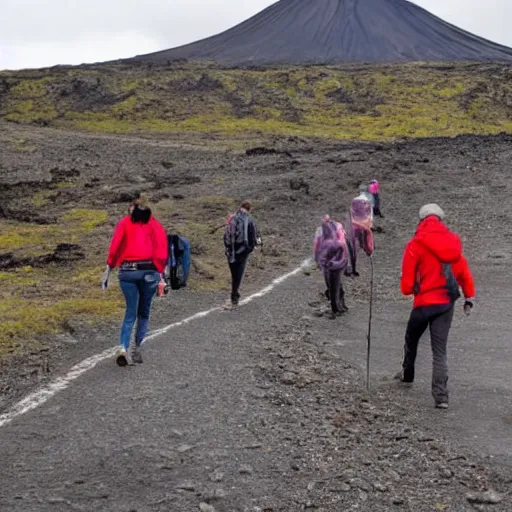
column 240, row 239
column 433, row 268
column 139, row 249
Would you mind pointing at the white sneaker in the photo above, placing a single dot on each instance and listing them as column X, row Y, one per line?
column 123, row 358
column 442, row 405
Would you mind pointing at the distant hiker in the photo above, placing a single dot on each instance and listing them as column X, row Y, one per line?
column 360, row 226
column 364, row 191
column 240, row 239
column 139, row 249
column 332, row 253
column 373, row 188
column 433, row 269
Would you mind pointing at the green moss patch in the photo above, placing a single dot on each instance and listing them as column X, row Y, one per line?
column 368, row 102
column 23, row 321
column 86, row 220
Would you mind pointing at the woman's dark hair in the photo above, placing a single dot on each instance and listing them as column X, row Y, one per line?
column 140, row 214
column 139, row 210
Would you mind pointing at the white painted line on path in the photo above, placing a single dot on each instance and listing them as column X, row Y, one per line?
column 42, row 395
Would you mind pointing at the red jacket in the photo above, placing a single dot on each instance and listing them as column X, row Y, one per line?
column 422, row 269
column 134, row 241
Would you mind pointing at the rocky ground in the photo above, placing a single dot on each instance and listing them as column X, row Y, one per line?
column 356, row 451
column 246, row 411
column 333, row 446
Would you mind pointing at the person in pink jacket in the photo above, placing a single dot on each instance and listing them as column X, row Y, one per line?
column 374, row 189
column 333, row 256
column 140, row 250
column 359, row 226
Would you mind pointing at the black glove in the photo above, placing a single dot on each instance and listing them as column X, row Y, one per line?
column 468, row 306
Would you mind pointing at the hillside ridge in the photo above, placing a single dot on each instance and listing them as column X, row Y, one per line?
column 371, row 102
column 338, row 31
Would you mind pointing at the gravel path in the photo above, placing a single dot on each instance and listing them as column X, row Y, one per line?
column 264, row 408
column 251, row 410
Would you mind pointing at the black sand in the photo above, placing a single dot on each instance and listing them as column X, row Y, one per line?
column 334, row 31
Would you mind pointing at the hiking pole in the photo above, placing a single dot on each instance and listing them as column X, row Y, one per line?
column 369, row 336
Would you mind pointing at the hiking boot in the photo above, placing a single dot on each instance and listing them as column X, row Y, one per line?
column 230, row 305
column 401, row 380
column 123, row 358
column 136, row 355
column 442, row 405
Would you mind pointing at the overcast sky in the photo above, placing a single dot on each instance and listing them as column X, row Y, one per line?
column 37, row 33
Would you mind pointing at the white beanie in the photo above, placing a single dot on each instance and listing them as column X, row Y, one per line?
column 431, row 209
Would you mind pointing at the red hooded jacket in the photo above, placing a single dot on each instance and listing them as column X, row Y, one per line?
column 422, row 266
column 135, row 241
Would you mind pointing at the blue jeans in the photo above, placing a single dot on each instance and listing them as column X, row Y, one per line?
column 139, row 287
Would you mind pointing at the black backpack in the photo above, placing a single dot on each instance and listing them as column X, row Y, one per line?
column 452, row 287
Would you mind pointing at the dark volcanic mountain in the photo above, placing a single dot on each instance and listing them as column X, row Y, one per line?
column 335, row 31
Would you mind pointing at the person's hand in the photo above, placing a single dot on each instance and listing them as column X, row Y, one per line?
column 468, row 306
column 105, row 278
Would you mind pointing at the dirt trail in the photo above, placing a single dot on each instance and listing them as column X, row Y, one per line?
column 259, row 410
column 242, row 411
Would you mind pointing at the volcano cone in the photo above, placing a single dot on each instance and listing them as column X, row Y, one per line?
column 336, row 31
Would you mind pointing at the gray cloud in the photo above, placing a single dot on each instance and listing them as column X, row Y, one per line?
column 36, row 33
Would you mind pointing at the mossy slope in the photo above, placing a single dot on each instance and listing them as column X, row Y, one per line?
column 370, row 103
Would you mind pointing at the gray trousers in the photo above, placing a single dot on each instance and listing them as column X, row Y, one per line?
column 439, row 319
column 335, row 292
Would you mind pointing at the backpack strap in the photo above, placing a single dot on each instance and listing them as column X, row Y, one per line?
column 229, row 237
column 246, row 230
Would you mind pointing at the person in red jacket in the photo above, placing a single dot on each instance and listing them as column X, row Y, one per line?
column 433, row 269
column 139, row 249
